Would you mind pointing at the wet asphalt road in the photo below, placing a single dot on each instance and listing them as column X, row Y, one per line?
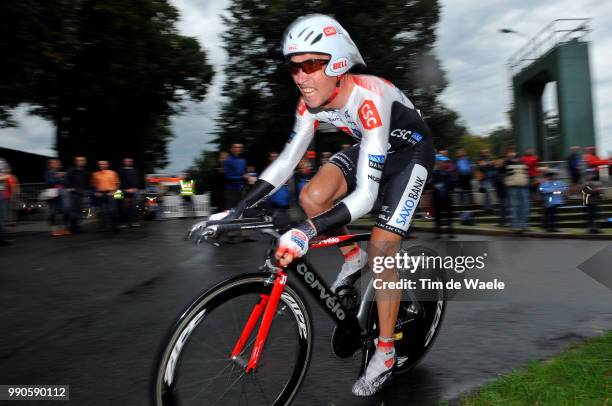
column 90, row 311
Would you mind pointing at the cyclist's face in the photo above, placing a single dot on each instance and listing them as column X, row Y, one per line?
column 316, row 87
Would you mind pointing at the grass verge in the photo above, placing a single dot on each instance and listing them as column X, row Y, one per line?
column 582, row 375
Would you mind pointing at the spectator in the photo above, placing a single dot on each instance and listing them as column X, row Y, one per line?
column 217, row 200
column 10, row 194
column 129, row 178
column 235, row 172
column 4, row 171
column 272, row 156
column 487, row 174
column 464, row 175
column 279, row 202
column 55, row 183
column 501, row 191
column 573, row 168
column 105, row 183
column 531, row 161
column 552, row 190
column 442, row 184
column 591, row 196
column 450, row 165
column 302, row 176
column 187, row 193
column 517, row 183
column 77, row 183
column 251, row 176
column 593, row 161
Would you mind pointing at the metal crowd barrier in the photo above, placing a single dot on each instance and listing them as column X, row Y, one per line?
column 25, row 205
column 175, row 207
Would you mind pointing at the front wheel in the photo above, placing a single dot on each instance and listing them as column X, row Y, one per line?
column 195, row 366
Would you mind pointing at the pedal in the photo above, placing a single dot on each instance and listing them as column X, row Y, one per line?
column 349, row 298
column 343, row 345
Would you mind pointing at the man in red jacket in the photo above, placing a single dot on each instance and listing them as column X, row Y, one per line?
column 593, row 161
column 10, row 194
column 532, row 161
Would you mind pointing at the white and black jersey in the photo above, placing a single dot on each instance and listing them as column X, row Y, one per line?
column 391, row 162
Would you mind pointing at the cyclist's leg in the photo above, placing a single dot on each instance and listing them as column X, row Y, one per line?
column 327, row 186
column 385, row 244
column 404, row 180
column 400, row 198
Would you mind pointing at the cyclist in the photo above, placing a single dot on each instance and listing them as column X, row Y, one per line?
column 390, row 163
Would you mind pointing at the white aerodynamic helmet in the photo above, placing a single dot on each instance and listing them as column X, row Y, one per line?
column 321, row 34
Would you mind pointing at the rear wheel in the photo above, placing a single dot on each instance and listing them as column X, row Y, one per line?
column 417, row 326
column 195, row 366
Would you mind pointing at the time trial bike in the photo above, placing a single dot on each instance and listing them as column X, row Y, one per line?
column 249, row 339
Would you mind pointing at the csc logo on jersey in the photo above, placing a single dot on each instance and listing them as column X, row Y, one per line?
column 368, row 114
column 407, row 135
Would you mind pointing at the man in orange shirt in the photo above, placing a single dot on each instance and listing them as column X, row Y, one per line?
column 106, row 183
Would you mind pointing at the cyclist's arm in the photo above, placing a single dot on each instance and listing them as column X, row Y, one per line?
column 372, row 155
column 282, row 168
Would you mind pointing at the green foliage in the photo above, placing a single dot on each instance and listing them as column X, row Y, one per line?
column 108, row 74
column 581, row 375
column 499, row 141
column 473, row 144
column 204, row 171
column 396, row 39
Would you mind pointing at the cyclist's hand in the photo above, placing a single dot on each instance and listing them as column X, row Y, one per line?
column 291, row 245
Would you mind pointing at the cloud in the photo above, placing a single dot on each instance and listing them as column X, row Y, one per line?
column 33, row 134
column 475, row 54
column 193, row 129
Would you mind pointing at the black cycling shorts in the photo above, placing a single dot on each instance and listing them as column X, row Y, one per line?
column 404, row 177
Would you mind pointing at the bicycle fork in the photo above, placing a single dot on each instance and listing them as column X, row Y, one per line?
column 267, row 305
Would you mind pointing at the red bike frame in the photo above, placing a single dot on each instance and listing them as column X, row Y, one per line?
column 269, row 303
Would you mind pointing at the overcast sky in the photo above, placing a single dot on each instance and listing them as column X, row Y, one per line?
column 470, row 47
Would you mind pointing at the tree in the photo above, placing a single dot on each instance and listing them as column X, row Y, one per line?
column 396, row 38
column 108, row 74
column 204, row 171
column 499, row 140
column 473, row 144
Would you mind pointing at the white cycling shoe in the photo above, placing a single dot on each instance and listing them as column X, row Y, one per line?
column 349, row 268
column 377, row 373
